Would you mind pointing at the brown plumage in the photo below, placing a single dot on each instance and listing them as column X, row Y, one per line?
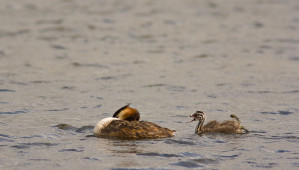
column 125, row 124
column 135, row 130
column 229, row 126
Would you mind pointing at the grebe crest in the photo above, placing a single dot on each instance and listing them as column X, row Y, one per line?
column 125, row 124
column 229, row 126
column 127, row 113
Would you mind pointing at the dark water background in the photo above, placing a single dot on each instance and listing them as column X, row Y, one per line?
column 76, row 62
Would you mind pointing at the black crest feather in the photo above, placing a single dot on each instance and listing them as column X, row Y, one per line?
column 119, row 110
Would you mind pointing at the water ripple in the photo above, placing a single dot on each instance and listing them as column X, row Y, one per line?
column 40, row 159
column 15, row 112
column 28, row 145
column 262, row 165
column 158, row 154
column 7, row 90
column 206, row 161
column 171, row 141
column 92, row 159
column 227, row 156
column 279, row 113
column 3, row 138
column 56, row 110
column 187, row 164
column 188, row 154
column 70, row 150
column 282, row 151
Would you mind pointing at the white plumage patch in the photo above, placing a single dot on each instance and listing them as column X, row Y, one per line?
column 102, row 124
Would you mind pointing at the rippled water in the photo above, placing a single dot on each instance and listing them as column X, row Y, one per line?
column 76, row 62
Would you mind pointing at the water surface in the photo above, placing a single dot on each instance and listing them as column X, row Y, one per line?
column 76, row 62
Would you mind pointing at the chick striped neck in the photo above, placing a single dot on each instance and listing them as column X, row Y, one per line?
column 198, row 128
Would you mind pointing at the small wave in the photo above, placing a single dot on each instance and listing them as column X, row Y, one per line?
column 7, row 136
column 262, row 165
column 282, row 151
column 227, row 156
column 56, row 110
column 58, row 47
column 206, row 161
column 7, row 90
column 184, row 116
column 97, row 106
column 283, row 137
column 15, row 112
column 40, row 159
column 75, row 64
column 292, row 91
column 28, row 145
column 3, row 138
column 279, row 113
column 70, row 150
column 188, row 164
column 190, row 154
column 158, row 154
column 106, row 78
column 219, row 141
column 171, row 141
column 273, row 138
column 84, row 129
column 31, row 136
column 92, row 159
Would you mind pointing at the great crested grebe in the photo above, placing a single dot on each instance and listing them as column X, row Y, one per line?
column 125, row 124
column 228, row 126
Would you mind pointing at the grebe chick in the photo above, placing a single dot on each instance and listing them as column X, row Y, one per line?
column 228, row 126
column 125, row 124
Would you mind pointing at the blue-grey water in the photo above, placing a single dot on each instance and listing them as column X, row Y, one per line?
column 76, row 62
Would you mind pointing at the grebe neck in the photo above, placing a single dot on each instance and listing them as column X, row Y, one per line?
column 198, row 128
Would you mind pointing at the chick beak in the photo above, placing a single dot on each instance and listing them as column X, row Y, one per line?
column 193, row 118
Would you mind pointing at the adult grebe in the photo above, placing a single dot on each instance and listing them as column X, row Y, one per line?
column 125, row 124
column 229, row 126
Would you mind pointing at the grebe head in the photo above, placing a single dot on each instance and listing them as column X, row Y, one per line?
column 198, row 116
column 127, row 113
